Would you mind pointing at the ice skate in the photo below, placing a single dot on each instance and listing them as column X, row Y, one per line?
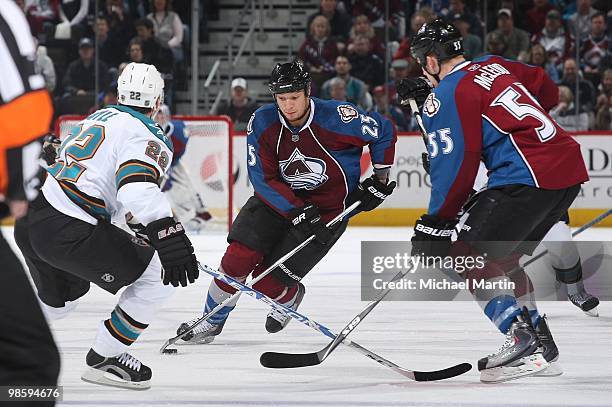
column 204, row 333
column 586, row 302
column 120, row 371
column 277, row 320
column 549, row 349
column 521, row 355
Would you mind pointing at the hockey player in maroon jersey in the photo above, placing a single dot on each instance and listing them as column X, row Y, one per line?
column 304, row 163
column 487, row 109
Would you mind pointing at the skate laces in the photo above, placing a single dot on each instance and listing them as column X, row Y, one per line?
column 579, row 297
column 278, row 315
column 129, row 361
column 508, row 342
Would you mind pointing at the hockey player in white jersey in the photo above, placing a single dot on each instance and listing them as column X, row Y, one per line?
column 186, row 202
column 110, row 163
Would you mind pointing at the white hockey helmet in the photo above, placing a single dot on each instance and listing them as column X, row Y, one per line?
column 140, row 85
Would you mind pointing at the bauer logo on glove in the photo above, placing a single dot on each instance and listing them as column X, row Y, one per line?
column 433, row 231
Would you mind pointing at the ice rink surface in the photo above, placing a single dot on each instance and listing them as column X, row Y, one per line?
column 415, row 335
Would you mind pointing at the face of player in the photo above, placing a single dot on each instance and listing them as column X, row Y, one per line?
column 432, row 66
column 294, row 106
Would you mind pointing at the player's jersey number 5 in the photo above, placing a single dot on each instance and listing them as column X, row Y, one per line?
column 508, row 99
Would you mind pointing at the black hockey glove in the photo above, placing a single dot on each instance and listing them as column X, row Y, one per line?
column 425, row 159
column 50, row 148
column 432, row 236
column 413, row 88
column 175, row 251
column 371, row 192
column 308, row 221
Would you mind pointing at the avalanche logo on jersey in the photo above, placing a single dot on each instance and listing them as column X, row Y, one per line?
column 347, row 113
column 431, row 106
column 302, row 172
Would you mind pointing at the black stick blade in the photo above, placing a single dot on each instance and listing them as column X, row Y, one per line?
column 277, row 360
column 442, row 374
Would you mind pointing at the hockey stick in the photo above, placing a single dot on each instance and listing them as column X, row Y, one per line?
column 411, row 374
column 289, row 360
column 576, row 232
column 337, row 219
column 419, row 120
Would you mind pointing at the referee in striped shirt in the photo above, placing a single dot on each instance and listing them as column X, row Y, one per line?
column 28, row 355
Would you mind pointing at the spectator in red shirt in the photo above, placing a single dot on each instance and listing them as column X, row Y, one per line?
column 319, row 51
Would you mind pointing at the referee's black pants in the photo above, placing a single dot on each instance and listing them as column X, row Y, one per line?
column 28, row 355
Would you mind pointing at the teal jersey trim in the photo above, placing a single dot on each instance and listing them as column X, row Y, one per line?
column 147, row 121
column 94, row 206
column 131, row 169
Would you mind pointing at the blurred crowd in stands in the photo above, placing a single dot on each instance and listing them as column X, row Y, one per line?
column 66, row 31
column 344, row 49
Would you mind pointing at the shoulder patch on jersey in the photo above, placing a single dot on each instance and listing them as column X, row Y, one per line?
column 473, row 67
column 347, row 113
column 432, row 105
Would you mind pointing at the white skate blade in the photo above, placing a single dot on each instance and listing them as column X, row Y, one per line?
column 527, row 366
column 554, row 369
column 592, row 312
column 97, row 376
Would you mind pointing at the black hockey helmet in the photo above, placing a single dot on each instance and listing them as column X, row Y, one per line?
column 289, row 77
column 439, row 38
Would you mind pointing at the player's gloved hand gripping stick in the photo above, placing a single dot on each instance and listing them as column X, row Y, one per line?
column 337, row 219
column 413, row 92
